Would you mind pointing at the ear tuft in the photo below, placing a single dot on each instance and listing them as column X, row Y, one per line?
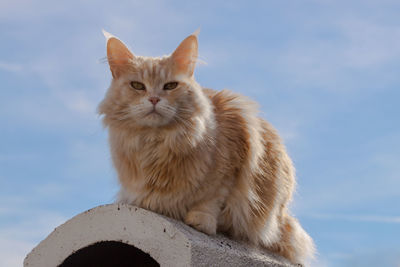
column 196, row 33
column 107, row 34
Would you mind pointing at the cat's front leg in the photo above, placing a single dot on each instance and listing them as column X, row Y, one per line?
column 203, row 216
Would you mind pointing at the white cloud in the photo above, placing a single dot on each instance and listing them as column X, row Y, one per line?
column 350, row 46
column 11, row 10
column 13, row 252
column 369, row 44
column 11, row 67
column 17, row 157
column 18, row 239
column 356, row 218
column 78, row 102
column 319, row 262
column 50, row 190
column 345, row 194
column 371, row 257
column 372, row 179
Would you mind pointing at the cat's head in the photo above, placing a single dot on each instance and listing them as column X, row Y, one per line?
column 152, row 92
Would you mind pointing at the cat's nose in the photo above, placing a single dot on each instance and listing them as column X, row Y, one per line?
column 154, row 100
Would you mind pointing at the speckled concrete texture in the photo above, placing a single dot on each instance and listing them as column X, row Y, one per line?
column 169, row 242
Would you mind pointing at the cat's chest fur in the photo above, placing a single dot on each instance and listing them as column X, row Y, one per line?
column 155, row 175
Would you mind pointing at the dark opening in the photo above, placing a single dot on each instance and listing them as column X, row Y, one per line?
column 109, row 253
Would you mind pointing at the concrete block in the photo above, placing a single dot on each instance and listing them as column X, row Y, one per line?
column 125, row 233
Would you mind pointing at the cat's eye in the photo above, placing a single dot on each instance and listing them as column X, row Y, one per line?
column 170, row 86
column 138, row 86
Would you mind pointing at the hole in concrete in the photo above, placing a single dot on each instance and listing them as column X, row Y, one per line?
column 109, row 253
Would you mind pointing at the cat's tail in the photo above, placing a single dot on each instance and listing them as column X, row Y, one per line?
column 294, row 244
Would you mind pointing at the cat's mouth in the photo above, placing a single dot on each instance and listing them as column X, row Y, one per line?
column 153, row 112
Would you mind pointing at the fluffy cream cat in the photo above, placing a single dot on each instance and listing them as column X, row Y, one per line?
column 198, row 155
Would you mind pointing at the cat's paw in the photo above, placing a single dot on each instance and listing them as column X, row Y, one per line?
column 202, row 221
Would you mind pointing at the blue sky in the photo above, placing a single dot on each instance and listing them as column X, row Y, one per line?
column 326, row 74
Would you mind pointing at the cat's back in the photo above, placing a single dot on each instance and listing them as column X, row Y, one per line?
column 246, row 141
column 239, row 114
column 242, row 135
column 233, row 110
column 236, row 116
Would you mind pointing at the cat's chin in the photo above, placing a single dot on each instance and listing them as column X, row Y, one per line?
column 154, row 119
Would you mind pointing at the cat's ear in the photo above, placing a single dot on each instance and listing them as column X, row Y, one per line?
column 118, row 55
column 185, row 56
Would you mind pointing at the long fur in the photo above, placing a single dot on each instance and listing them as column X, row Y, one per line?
column 205, row 158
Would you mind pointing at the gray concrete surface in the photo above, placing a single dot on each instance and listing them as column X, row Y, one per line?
column 169, row 242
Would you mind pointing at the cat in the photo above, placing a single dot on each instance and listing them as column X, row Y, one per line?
column 198, row 155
